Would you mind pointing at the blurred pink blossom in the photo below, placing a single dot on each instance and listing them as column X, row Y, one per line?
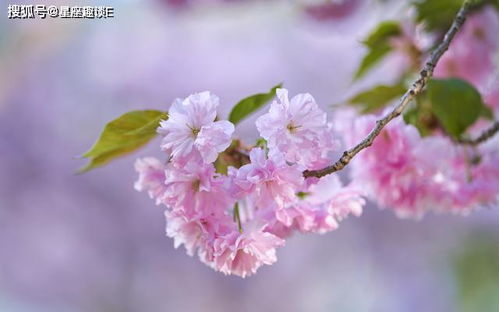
column 471, row 54
column 412, row 175
column 392, row 171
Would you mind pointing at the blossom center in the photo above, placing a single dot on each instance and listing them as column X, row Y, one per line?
column 195, row 131
column 195, row 185
column 292, row 127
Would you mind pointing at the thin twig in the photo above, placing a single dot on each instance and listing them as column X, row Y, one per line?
column 484, row 136
column 416, row 88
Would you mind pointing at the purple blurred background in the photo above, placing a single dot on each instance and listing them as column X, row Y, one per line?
column 91, row 243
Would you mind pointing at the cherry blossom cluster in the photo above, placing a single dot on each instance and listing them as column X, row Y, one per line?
column 235, row 222
column 411, row 174
column 234, row 214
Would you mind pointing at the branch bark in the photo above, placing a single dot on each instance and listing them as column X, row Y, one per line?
column 484, row 136
column 417, row 87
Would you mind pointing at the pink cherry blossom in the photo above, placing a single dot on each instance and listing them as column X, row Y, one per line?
column 214, row 139
column 332, row 10
column 195, row 188
column 197, row 231
column 243, row 253
column 398, row 170
column 471, row 54
column 151, row 177
column 298, row 129
column 340, row 200
column 187, row 231
column 191, row 128
column 413, row 175
column 473, row 181
column 267, row 181
column 264, row 215
column 325, row 202
column 235, row 222
column 491, row 98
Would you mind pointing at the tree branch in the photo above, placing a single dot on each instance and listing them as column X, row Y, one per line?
column 484, row 136
column 416, row 88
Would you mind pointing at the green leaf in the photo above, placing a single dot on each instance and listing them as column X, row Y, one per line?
column 150, row 127
column 382, row 33
column 421, row 115
column 410, row 116
column 378, row 46
column 455, row 103
column 123, row 135
column 437, row 15
column 251, row 104
column 373, row 57
column 377, row 97
column 495, row 3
